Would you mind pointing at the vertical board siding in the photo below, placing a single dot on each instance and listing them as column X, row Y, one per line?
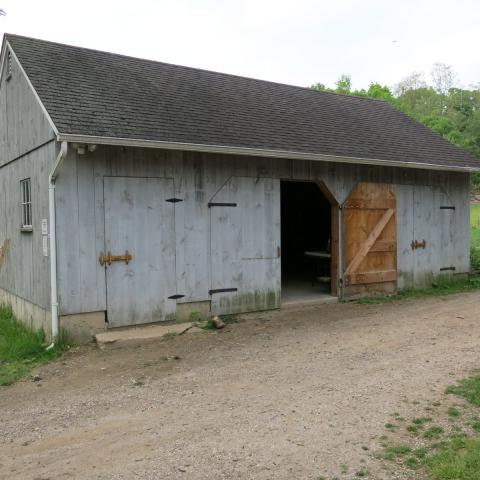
column 404, row 236
column 23, row 124
column 25, row 152
column 198, row 177
column 244, row 245
column 26, row 272
column 139, row 219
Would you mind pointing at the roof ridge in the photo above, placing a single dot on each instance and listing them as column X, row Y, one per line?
column 244, row 77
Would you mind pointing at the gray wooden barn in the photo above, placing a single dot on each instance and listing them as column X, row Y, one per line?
column 134, row 191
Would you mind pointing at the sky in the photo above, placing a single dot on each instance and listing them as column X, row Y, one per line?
column 299, row 42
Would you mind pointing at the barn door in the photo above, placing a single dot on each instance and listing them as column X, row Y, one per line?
column 433, row 230
column 245, row 246
column 139, row 256
column 370, row 239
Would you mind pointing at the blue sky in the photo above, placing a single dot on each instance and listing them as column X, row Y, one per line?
column 297, row 42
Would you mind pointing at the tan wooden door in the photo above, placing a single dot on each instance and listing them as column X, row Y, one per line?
column 370, row 239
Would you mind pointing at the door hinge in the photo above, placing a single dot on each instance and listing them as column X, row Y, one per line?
column 222, row 290
column 213, row 204
column 444, row 269
column 416, row 244
column 174, row 200
column 175, row 297
column 447, row 208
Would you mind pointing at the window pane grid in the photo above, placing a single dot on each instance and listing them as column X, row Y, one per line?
column 26, row 203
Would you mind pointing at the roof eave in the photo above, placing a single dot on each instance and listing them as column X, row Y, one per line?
column 260, row 152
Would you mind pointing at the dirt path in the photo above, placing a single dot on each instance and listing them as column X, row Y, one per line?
column 292, row 394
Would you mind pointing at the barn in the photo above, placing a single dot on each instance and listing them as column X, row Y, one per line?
column 135, row 191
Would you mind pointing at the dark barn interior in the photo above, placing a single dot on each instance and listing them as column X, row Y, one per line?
column 306, row 241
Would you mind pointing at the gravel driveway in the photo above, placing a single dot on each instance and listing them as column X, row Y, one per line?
column 291, row 394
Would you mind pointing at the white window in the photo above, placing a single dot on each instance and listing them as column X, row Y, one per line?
column 26, row 204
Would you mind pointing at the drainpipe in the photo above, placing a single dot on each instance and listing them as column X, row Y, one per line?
column 53, row 243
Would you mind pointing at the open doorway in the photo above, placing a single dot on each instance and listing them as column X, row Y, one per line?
column 306, row 235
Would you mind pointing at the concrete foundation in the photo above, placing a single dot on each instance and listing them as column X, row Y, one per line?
column 193, row 311
column 82, row 328
column 32, row 315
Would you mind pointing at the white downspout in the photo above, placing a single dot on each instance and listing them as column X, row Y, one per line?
column 52, row 240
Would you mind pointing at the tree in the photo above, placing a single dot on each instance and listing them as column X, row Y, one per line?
column 414, row 81
column 443, row 78
column 319, row 87
column 344, row 84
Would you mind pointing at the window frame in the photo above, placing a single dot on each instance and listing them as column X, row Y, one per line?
column 26, row 205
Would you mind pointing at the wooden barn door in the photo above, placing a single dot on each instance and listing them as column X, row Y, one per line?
column 370, row 240
column 245, row 246
column 140, row 227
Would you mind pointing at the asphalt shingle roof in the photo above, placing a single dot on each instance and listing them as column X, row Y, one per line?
column 89, row 92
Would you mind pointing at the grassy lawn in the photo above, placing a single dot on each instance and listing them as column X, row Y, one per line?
column 21, row 349
column 475, row 235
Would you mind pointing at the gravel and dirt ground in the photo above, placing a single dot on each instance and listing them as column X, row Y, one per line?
column 299, row 393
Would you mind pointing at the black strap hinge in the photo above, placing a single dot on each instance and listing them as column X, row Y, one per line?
column 447, row 208
column 174, row 200
column 222, row 290
column 175, row 297
column 213, row 204
column 444, row 269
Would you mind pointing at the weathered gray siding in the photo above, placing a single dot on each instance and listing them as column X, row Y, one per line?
column 23, row 124
column 197, row 178
column 25, row 152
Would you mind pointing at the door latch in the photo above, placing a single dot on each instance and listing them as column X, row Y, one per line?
column 416, row 244
column 109, row 258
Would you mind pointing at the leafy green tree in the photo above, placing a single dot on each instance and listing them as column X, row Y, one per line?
column 344, row 84
column 320, row 87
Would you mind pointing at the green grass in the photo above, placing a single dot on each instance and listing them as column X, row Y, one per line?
column 397, row 450
column 421, row 420
column 443, row 455
column 468, row 388
column 475, row 236
column 453, row 412
column 433, row 432
column 475, row 424
column 21, row 349
column 458, row 460
column 441, row 287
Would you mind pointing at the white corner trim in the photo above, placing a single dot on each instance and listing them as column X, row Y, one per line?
column 132, row 142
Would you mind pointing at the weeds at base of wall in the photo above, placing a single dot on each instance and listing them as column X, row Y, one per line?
column 209, row 325
column 438, row 288
column 22, row 349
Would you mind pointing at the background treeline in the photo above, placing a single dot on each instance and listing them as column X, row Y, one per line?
column 451, row 111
